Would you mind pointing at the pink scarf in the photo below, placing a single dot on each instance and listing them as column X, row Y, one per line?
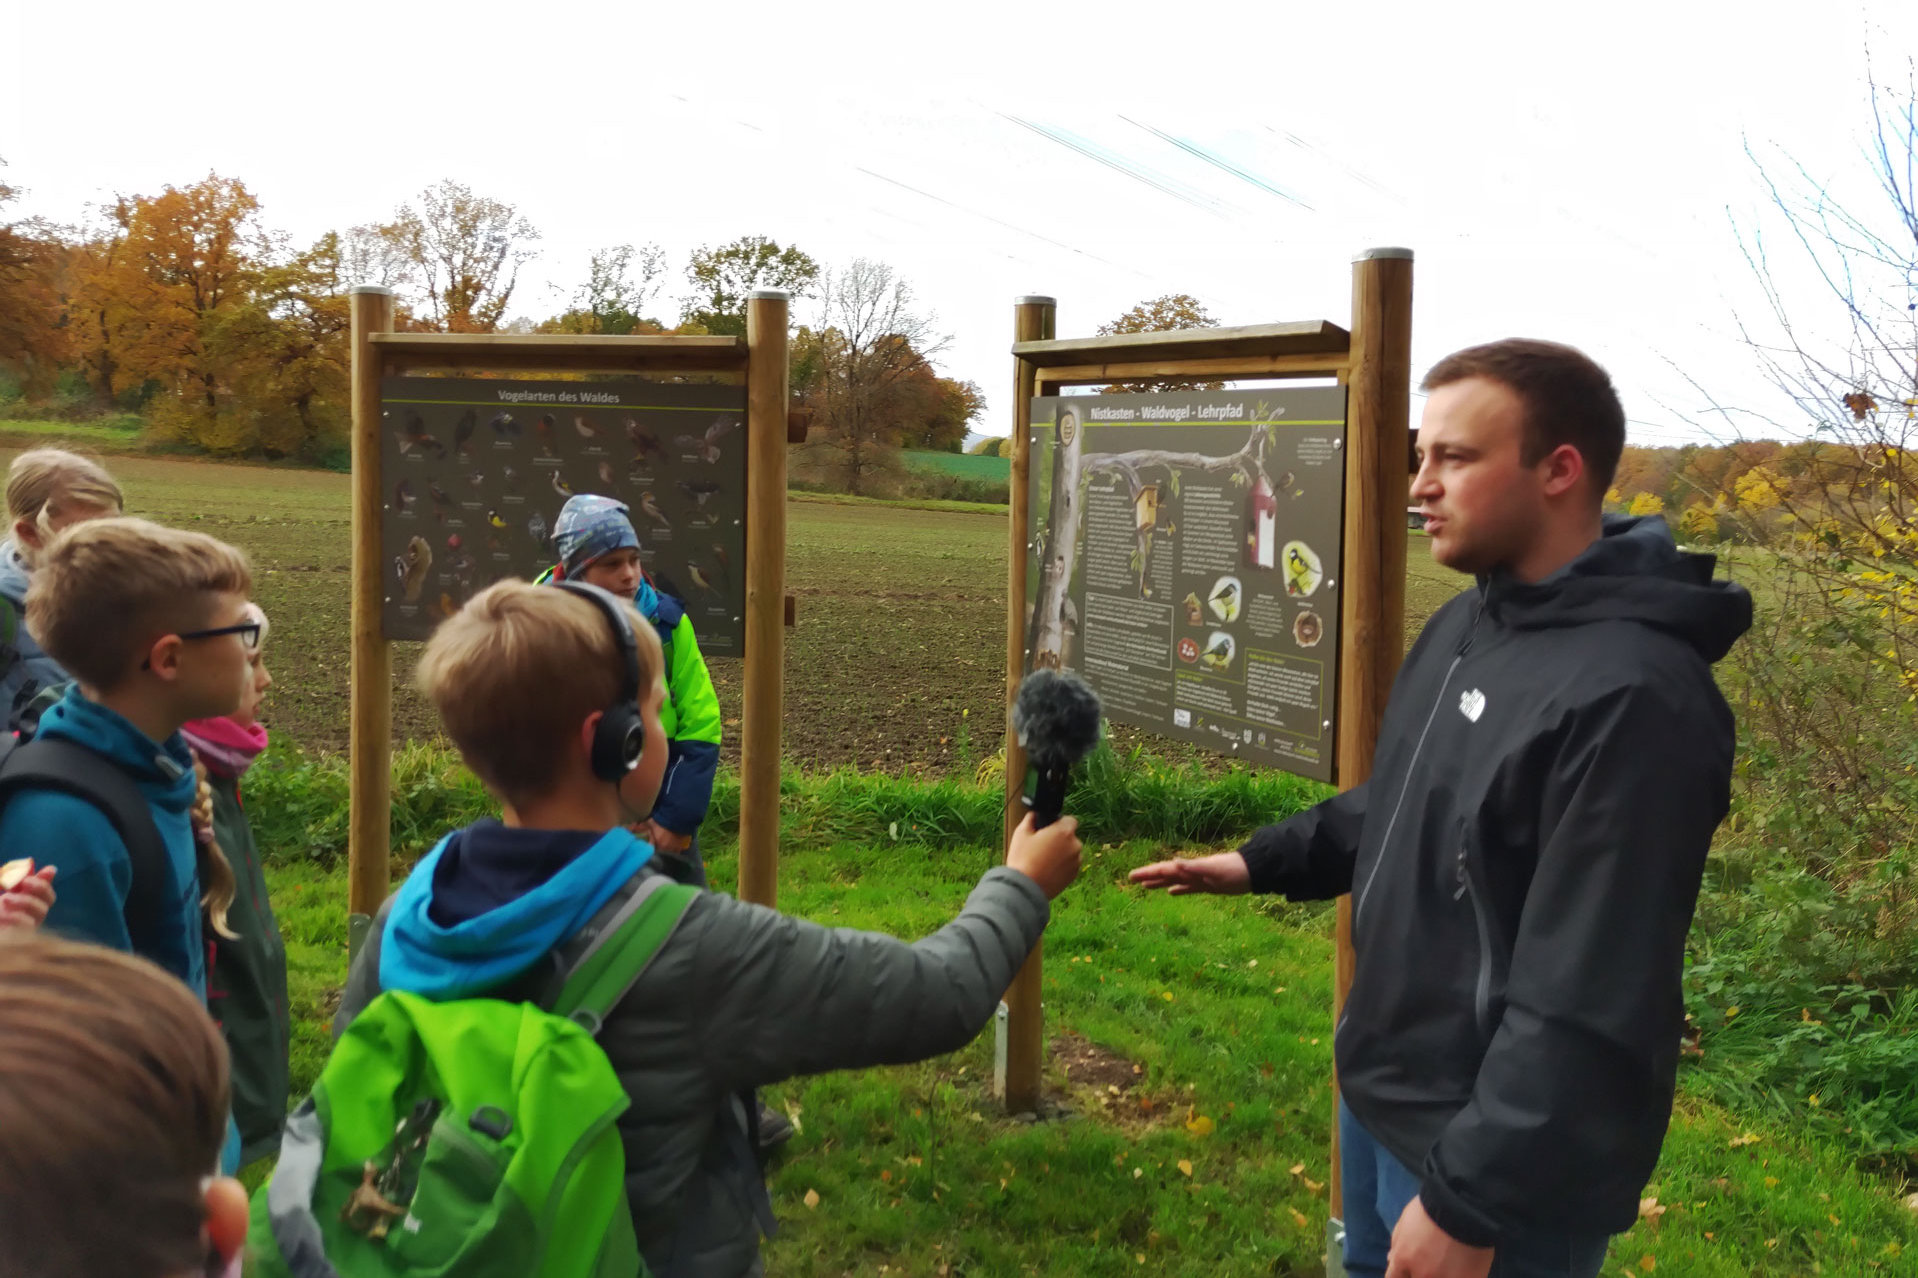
column 226, row 748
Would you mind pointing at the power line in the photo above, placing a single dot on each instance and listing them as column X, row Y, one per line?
column 1163, row 185
column 1045, row 239
column 1219, row 162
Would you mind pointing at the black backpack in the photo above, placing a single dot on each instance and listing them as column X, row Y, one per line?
column 41, row 764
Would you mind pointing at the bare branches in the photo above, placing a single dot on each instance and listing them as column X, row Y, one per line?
column 467, row 250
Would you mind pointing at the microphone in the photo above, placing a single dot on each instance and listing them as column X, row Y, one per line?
column 1056, row 718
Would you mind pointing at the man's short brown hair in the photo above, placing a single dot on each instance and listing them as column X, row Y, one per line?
column 105, row 590
column 1568, row 398
column 515, row 672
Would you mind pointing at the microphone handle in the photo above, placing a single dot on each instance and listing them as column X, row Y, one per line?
column 1047, row 797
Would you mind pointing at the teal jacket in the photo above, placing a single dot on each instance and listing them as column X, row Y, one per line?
column 95, row 871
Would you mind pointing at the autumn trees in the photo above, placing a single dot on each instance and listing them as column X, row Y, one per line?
column 186, row 305
column 1163, row 314
column 865, row 367
column 33, row 344
column 721, row 278
column 233, row 339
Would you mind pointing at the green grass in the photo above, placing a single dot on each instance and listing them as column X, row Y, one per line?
column 1223, row 1005
column 902, row 503
column 105, row 434
column 964, row 465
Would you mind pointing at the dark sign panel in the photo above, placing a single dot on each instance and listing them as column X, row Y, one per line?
column 1184, row 560
column 474, row 474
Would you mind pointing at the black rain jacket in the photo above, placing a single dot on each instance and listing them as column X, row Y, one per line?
column 1524, row 863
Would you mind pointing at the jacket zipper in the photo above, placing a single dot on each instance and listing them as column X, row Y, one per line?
column 1358, row 903
column 1482, row 991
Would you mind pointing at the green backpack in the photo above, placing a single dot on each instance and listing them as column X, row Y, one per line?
column 469, row 1138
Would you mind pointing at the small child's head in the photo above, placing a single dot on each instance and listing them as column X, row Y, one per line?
column 597, row 544
column 127, row 605
column 521, row 677
column 249, row 712
column 49, row 489
column 113, row 1111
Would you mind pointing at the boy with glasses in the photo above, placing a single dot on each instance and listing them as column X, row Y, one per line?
column 153, row 625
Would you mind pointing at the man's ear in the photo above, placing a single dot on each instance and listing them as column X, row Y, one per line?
column 226, row 1217
column 1563, row 468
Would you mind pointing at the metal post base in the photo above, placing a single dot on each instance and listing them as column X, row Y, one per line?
column 1000, row 1021
column 1335, row 1249
column 357, row 927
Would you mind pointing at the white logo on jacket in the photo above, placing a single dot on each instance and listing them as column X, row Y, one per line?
column 1471, row 704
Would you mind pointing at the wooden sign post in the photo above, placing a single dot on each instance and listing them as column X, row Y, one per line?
column 760, row 359
column 1373, row 361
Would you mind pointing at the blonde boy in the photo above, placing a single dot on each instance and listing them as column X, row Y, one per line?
column 151, row 623
column 738, row 997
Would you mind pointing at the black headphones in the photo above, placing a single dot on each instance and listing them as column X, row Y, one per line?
column 621, row 736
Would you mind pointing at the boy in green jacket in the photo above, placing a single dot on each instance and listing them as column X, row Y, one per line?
column 597, row 545
column 738, row 997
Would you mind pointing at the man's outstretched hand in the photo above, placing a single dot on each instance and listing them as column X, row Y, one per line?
column 1222, row 875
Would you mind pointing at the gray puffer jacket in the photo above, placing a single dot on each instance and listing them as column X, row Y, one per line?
column 741, row 996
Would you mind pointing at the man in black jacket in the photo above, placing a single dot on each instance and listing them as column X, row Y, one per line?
column 1526, row 856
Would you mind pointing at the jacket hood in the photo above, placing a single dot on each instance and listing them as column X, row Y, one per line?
column 1633, row 572
column 489, row 901
column 163, row 770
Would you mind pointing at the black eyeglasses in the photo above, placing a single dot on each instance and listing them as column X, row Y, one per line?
column 249, row 632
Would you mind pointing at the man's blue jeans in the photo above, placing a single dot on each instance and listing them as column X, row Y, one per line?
column 1378, row 1187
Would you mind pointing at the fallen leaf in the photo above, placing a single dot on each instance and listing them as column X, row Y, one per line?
column 1911, row 1203
column 1137, row 1172
column 1298, row 1217
column 1740, row 1141
column 1199, row 1126
column 1298, row 1168
column 1185, row 1166
column 1311, row 1186
column 1648, row 1209
column 812, row 1198
column 1647, row 1263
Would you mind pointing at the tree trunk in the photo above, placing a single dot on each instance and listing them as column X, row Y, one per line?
column 1046, row 633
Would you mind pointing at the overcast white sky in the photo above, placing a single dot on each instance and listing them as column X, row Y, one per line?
column 1563, row 171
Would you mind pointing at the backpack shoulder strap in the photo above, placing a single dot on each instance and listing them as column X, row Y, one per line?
column 612, row 960
column 71, row 768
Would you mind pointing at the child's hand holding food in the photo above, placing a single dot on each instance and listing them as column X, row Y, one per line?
column 25, row 896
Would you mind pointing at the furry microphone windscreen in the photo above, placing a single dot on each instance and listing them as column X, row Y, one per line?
column 1056, row 717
